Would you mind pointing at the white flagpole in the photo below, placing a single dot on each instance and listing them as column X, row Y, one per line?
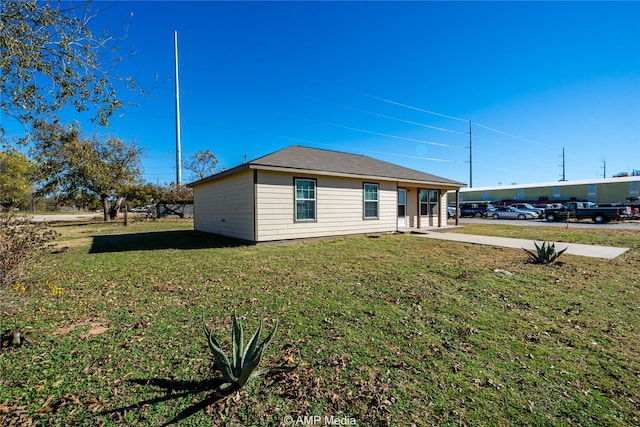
column 178, row 155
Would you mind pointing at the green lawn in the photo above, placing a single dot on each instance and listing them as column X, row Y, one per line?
column 394, row 330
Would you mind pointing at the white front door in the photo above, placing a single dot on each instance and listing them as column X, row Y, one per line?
column 402, row 208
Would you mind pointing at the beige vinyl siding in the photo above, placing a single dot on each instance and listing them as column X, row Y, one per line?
column 413, row 207
column 225, row 206
column 339, row 207
column 442, row 210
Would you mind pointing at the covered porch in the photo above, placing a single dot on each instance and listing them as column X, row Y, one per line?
column 423, row 207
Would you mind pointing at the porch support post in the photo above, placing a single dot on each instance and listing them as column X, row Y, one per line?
column 442, row 196
column 418, row 217
column 457, row 206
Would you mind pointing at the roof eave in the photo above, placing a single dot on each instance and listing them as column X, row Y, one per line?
column 219, row 175
column 448, row 184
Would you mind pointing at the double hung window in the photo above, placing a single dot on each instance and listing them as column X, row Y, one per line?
column 370, row 200
column 305, row 199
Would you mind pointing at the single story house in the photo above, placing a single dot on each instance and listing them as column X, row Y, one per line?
column 300, row 192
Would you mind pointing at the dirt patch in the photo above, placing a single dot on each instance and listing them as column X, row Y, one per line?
column 95, row 327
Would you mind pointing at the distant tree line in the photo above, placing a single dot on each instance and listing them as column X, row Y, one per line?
column 634, row 172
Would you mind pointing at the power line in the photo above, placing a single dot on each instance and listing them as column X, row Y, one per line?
column 511, row 135
column 437, row 144
column 408, row 106
column 405, row 121
column 447, row 116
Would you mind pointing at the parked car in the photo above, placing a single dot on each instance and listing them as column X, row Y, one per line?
column 544, row 206
column 508, row 212
column 451, row 212
column 529, row 208
column 473, row 209
column 579, row 210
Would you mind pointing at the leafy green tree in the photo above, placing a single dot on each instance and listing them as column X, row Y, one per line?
column 143, row 194
column 50, row 59
column 70, row 163
column 16, row 179
column 86, row 201
column 202, row 163
column 177, row 193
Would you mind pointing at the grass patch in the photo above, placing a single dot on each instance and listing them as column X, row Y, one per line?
column 391, row 331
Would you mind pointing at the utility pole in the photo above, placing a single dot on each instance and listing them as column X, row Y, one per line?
column 470, row 156
column 564, row 177
column 604, row 168
column 178, row 155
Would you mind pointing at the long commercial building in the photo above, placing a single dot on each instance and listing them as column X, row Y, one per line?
column 604, row 190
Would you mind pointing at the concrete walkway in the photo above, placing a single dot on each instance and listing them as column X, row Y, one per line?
column 606, row 252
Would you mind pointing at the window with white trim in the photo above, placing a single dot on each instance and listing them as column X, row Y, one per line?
column 305, row 199
column 370, row 200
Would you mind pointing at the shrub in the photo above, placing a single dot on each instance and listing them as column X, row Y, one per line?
column 21, row 243
column 545, row 254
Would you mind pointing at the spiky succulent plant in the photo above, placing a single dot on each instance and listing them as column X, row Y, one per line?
column 244, row 361
column 545, row 254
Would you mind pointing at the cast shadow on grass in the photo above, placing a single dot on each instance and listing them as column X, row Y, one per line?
column 179, row 239
column 175, row 390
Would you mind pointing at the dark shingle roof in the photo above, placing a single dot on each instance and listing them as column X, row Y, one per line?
column 312, row 159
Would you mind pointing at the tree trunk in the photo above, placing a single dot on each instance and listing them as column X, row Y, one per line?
column 116, row 208
column 105, row 207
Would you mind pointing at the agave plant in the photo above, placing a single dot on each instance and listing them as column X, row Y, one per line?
column 238, row 370
column 546, row 254
column 16, row 337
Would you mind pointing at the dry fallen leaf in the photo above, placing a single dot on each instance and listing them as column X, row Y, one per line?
column 49, row 400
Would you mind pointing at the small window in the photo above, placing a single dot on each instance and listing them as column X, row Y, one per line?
column 305, row 199
column 371, row 200
column 429, row 202
column 424, row 202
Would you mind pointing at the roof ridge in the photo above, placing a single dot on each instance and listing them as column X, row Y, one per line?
column 315, row 149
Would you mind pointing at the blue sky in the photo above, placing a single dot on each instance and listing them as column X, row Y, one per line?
column 398, row 81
